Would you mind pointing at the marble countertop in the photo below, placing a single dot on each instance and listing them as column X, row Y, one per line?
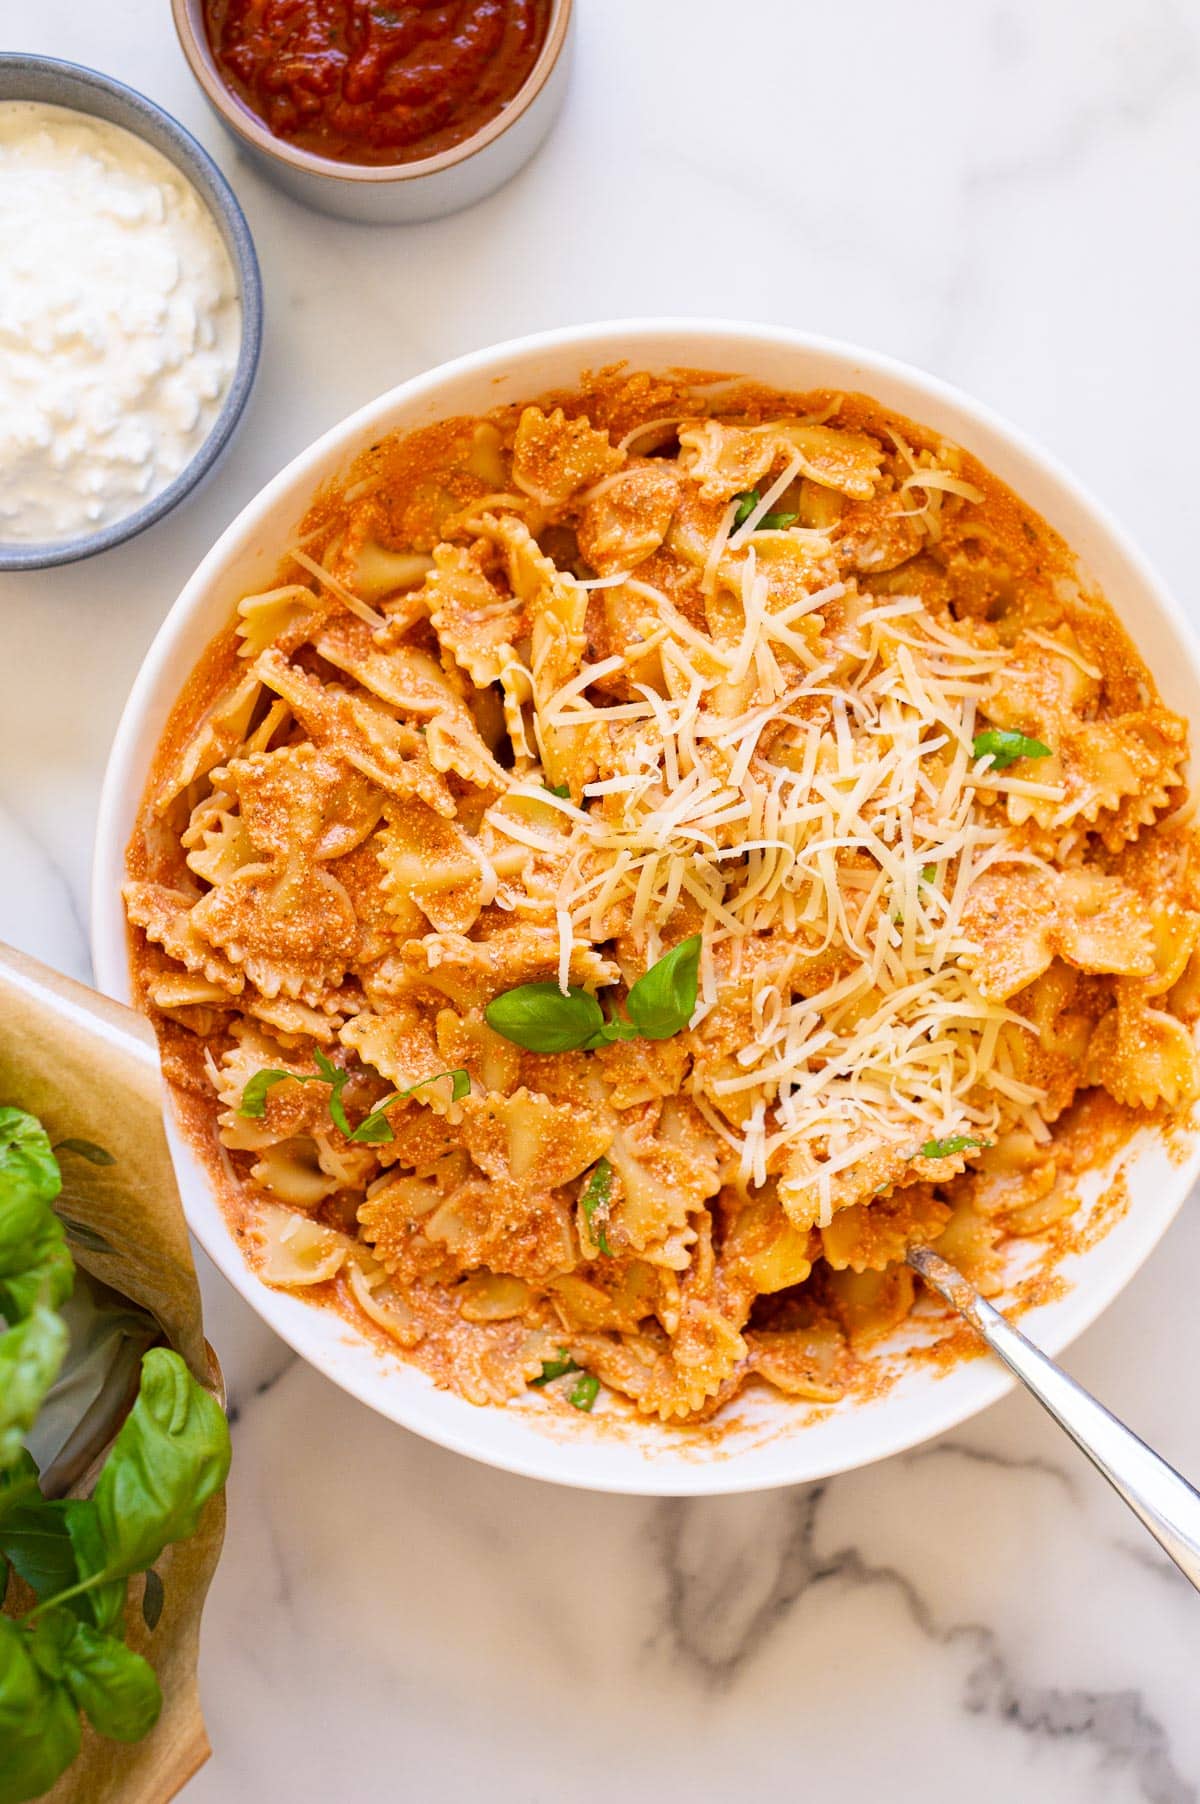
column 1007, row 194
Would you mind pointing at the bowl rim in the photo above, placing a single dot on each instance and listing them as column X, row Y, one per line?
column 247, row 126
column 971, row 1385
column 196, row 166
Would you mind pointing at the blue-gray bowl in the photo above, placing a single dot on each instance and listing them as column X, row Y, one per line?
column 57, row 83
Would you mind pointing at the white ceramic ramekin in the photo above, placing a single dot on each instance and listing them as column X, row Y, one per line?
column 393, row 193
column 773, row 1441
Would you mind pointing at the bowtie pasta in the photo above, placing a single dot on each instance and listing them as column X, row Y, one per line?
column 652, row 857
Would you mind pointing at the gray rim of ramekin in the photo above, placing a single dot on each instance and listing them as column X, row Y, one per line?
column 55, row 82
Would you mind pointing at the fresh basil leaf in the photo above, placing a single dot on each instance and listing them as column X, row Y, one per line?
column 39, row 1725
column 254, row 1096
column 747, row 501
column 540, row 1018
column 86, row 1149
column 30, row 1357
column 104, row 1603
column 153, row 1598
column 18, row 1485
column 34, row 1538
column 1005, row 747
column 555, row 1368
column 26, row 1156
column 375, row 1129
column 946, row 1149
column 596, row 1202
column 115, row 1688
column 22, row 1214
column 583, row 1394
column 34, row 1263
column 52, row 1635
column 40, row 1271
column 663, row 999
column 171, row 1455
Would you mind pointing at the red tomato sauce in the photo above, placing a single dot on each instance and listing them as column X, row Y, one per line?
column 376, row 81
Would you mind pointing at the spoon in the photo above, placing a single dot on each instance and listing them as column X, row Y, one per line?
column 1163, row 1500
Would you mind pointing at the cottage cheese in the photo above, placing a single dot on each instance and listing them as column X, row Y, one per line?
column 119, row 322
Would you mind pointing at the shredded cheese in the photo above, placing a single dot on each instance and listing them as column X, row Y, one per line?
column 811, row 804
column 344, row 595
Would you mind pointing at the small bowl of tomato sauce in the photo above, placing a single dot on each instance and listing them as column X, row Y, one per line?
column 385, row 111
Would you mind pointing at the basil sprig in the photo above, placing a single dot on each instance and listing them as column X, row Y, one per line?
column 956, row 1143
column 540, row 1018
column 747, row 501
column 1005, row 747
column 68, row 1654
column 374, row 1129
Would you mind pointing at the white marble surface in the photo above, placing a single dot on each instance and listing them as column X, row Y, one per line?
column 1006, row 193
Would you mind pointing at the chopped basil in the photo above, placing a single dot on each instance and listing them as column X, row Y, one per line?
column 747, row 501
column 584, row 1393
column 946, row 1149
column 596, row 1201
column 555, row 1368
column 1004, row 747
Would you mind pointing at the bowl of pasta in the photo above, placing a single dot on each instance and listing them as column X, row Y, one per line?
column 624, row 836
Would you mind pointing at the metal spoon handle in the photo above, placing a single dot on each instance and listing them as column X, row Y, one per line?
column 1154, row 1491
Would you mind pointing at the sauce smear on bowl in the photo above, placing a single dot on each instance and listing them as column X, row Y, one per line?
column 376, row 81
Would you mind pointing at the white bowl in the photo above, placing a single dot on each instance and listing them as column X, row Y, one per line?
column 774, row 1441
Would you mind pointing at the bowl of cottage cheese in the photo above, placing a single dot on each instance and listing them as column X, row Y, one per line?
column 131, row 312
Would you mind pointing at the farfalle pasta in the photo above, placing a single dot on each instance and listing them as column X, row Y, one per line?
column 654, row 856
